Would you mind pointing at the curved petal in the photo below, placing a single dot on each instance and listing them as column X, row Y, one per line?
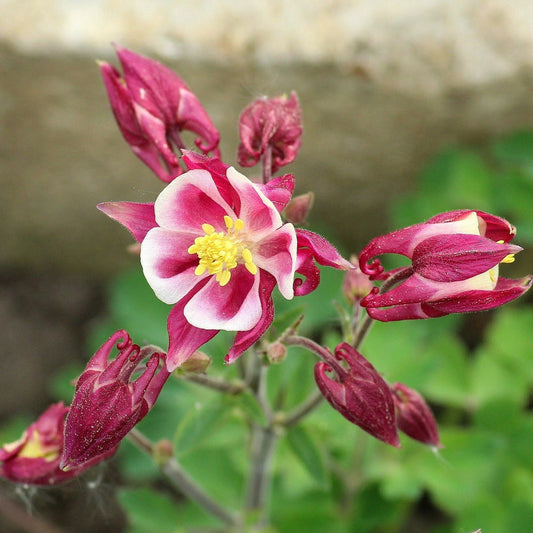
column 276, row 254
column 307, row 268
column 234, row 307
column 481, row 300
column 190, row 201
column 183, row 338
column 323, row 251
column 168, row 267
column 405, row 240
column 245, row 339
column 404, row 312
column 258, row 213
column 139, row 219
column 458, row 257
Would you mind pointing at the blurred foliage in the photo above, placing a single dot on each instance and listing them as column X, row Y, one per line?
column 328, row 475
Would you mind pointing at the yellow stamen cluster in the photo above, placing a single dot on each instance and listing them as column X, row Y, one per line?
column 219, row 252
column 33, row 449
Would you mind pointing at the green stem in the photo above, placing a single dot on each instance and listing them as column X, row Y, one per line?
column 308, row 405
column 215, row 384
column 182, row 481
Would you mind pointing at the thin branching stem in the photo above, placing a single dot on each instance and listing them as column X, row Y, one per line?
column 215, row 383
column 182, row 481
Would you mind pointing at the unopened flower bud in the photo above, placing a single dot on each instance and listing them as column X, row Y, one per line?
column 273, row 124
column 152, row 106
column 414, row 417
column 276, row 352
column 299, row 208
column 197, row 363
column 358, row 393
column 356, row 284
column 107, row 402
column 163, row 450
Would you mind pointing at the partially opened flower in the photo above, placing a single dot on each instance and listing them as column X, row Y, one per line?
column 414, row 416
column 215, row 246
column 108, row 402
column 270, row 128
column 152, row 106
column 358, row 392
column 34, row 458
column 455, row 260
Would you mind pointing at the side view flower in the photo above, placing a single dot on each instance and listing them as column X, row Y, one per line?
column 107, row 403
column 358, row 393
column 455, row 258
column 152, row 105
column 34, row 458
column 214, row 245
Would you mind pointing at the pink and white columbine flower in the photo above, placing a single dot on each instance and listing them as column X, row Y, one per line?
column 214, row 245
column 455, row 259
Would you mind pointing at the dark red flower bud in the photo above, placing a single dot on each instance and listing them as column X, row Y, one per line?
column 107, row 403
column 414, row 416
column 359, row 393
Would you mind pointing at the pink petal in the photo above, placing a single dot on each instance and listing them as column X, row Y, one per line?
column 505, row 291
column 258, row 213
column 138, row 218
column 305, row 266
column 184, row 339
column 405, row 240
column 190, row 201
column 276, row 254
column 404, row 312
column 245, row 339
column 168, row 267
column 458, row 257
column 234, row 307
column 491, row 226
column 155, row 130
column 278, row 190
column 323, row 251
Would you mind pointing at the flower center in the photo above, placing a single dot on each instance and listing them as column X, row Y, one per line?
column 219, row 252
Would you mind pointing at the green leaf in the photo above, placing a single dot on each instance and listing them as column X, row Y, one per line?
column 196, row 426
column 307, row 450
column 150, row 511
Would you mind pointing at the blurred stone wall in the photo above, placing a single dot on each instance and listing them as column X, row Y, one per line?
column 383, row 86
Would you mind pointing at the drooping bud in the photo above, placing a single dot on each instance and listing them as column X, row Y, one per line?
column 107, row 403
column 299, row 208
column 270, row 127
column 356, row 284
column 414, row 417
column 34, row 458
column 358, row 393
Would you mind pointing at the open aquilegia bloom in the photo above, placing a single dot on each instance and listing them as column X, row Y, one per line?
column 214, row 245
column 455, row 259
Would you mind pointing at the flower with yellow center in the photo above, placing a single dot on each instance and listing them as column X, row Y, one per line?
column 220, row 252
column 455, row 260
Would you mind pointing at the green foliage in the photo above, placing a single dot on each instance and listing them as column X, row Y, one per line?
column 327, row 474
